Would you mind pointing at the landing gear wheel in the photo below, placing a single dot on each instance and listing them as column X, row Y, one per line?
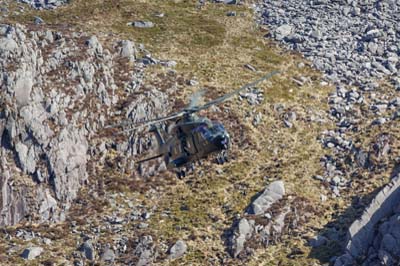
column 225, row 156
column 190, row 167
column 180, row 174
column 220, row 159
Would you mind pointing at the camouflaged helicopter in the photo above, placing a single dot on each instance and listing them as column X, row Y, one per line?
column 192, row 138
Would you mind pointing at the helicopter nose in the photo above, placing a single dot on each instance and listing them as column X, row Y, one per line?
column 227, row 142
column 222, row 141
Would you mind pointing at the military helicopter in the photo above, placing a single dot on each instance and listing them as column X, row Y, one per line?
column 192, row 138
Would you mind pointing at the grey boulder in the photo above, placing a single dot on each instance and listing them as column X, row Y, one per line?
column 108, row 255
column 141, row 24
column 31, row 253
column 283, row 31
column 177, row 250
column 8, row 45
column 242, row 233
column 127, row 49
column 274, row 192
column 88, row 250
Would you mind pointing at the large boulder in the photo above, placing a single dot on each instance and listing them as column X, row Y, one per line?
column 88, row 250
column 369, row 236
column 31, row 253
column 241, row 234
column 128, row 49
column 177, row 250
column 274, row 192
column 7, row 44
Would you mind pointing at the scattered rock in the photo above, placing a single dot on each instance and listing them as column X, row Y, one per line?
column 88, row 250
column 323, row 197
column 274, row 192
column 242, row 233
column 232, row 2
column 177, row 250
column 362, row 159
column 282, row 31
column 250, row 67
column 141, row 24
column 128, row 49
column 357, row 42
column 193, row 82
column 108, row 255
column 45, row 4
column 159, row 14
column 31, row 253
column 145, row 250
column 38, row 20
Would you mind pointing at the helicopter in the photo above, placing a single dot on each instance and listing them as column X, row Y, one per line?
column 192, row 137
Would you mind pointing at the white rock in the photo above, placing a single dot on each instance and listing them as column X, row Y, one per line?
column 31, row 253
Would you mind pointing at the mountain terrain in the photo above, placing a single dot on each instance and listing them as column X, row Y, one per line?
column 313, row 173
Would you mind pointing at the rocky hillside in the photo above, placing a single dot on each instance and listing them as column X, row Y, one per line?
column 356, row 46
column 58, row 90
column 313, row 178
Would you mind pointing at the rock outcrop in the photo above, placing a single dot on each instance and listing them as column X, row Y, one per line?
column 247, row 228
column 375, row 236
column 177, row 250
column 57, row 90
column 274, row 192
column 31, row 253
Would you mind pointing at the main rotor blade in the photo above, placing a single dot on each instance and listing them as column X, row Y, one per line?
column 146, row 122
column 192, row 108
column 121, row 124
column 151, row 122
column 196, row 98
column 228, row 95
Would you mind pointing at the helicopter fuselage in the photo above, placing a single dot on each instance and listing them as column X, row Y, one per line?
column 192, row 139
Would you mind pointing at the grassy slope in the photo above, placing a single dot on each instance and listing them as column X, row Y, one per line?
column 213, row 47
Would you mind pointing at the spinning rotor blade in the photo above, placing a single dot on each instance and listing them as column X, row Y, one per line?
column 228, row 95
column 196, row 98
column 153, row 121
column 145, row 123
column 124, row 123
column 192, row 107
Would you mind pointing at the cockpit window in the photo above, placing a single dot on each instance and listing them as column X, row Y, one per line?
column 209, row 131
column 218, row 127
column 204, row 131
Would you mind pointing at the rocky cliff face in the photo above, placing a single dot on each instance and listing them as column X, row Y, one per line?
column 374, row 236
column 56, row 90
